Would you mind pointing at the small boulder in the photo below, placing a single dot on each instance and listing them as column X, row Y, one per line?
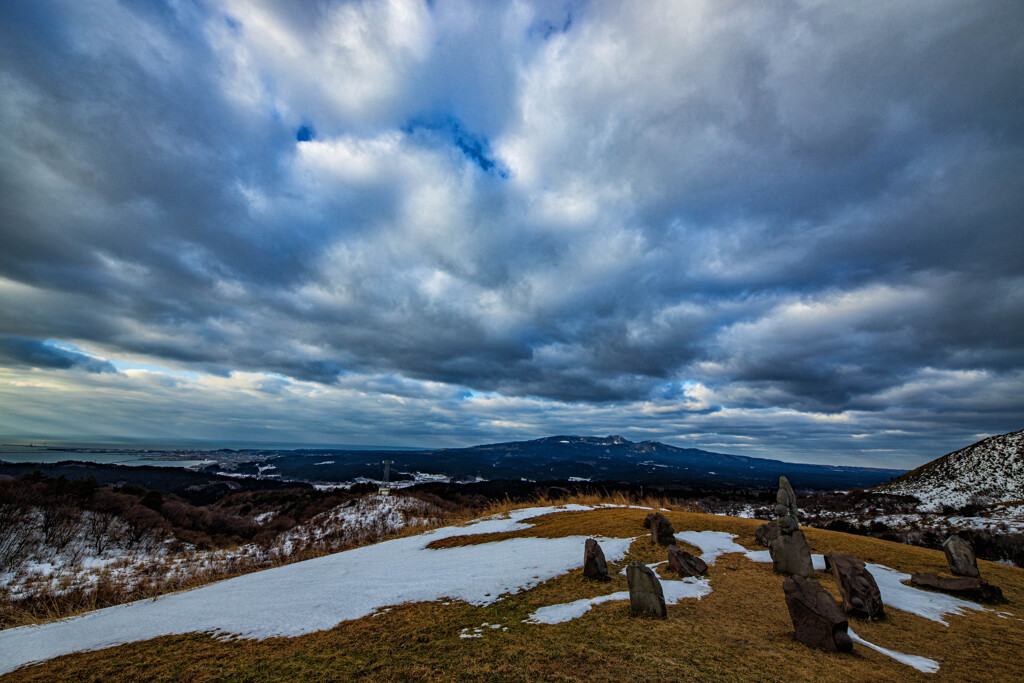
column 790, row 554
column 972, row 589
column 861, row 597
column 766, row 533
column 684, row 563
column 960, row 557
column 594, row 565
column 817, row 618
column 662, row 531
column 645, row 593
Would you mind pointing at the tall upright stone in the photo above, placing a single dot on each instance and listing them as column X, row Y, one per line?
column 645, row 593
column 662, row 531
column 594, row 565
column 789, row 551
column 817, row 618
column 861, row 597
column 960, row 557
column 786, row 511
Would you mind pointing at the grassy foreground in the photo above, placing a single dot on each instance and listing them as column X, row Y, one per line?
column 741, row 631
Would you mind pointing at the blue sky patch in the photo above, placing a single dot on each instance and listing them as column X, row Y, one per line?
column 476, row 148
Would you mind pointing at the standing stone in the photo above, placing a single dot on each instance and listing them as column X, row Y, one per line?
column 645, row 594
column 766, row 533
column 789, row 551
column 790, row 555
column 817, row 618
column 861, row 597
column 960, row 556
column 786, row 509
column 684, row 563
column 973, row 589
column 594, row 565
column 662, row 531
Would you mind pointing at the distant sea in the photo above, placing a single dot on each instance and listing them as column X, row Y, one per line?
column 128, row 452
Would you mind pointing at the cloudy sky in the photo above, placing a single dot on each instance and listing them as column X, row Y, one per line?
column 791, row 229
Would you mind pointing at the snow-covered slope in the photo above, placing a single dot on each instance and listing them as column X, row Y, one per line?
column 990, row 471
column 318, row 594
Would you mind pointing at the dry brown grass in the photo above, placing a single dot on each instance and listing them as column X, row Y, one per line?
column 741, row 631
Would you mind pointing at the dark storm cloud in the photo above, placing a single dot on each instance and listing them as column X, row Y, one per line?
column 40, row 354
column 798, row 208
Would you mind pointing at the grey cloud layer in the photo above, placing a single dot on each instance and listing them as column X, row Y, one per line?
column 801, row 206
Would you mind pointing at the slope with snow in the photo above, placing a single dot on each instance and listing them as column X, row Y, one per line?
column 318, row 594
column 987, row 472
column 79, row 567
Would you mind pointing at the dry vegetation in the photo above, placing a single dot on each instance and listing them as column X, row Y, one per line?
column 103, row 546
column 741, row 631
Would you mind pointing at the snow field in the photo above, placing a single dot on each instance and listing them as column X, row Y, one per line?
column 317, row 594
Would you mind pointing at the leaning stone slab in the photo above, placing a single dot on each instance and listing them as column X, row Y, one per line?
column 662, row 531
column 766, row 533
column 972, row 589
column 790, row 555
column 684, row 563
column 817, row 618
column 645, row 594
column 960, row 557
column 594, row 565
column 861, row 597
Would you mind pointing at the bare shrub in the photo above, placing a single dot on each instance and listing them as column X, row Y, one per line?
column 61, row 523
column 19, row 528
column 140, row 525
column 100, row 530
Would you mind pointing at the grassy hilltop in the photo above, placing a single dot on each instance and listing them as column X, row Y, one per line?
column 741, row 631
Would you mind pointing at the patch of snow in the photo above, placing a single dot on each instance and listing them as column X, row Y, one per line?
column 325, row 462
column 746, row 511
column 579, row 478
column 557, row 614
column 923, row 664
column 675, row 591
column 925, row 604
column 264, row 517
column 761, row 556
column 712, row 543
column 309, row 596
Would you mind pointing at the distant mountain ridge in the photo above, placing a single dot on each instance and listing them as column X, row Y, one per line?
column 986, row 472
column 564, row 457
